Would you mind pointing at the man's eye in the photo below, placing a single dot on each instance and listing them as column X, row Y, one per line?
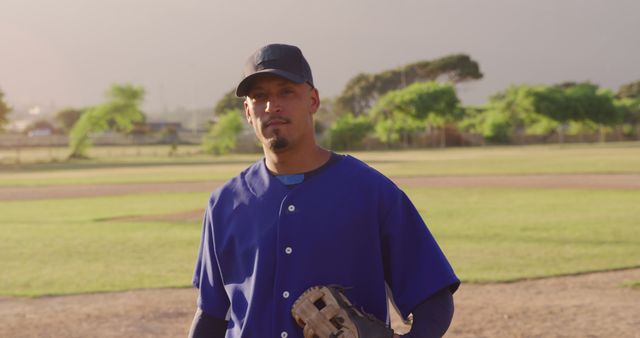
column 258, row 96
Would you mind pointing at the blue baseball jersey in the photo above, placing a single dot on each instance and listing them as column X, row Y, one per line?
column 263, row 244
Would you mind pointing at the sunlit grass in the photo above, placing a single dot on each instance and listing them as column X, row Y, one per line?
column 592, row 158
column 510, row 234
column 77, row 245
column 74, row 245
column 605, row 158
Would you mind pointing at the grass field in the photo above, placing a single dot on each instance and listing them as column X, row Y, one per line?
column 597, row 158
column 157, row 153
column 490, row 234
column 510, row 234
column 69, row 245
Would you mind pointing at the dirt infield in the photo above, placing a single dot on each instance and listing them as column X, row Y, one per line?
column 591, row 305
column 569, row 181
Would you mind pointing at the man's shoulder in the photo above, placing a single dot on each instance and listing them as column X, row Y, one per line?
column 237, row 185
column 357, row 174
column 362, row 170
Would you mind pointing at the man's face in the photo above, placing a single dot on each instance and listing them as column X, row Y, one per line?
column 281, row 112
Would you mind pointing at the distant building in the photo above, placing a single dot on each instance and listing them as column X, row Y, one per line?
column 40, row 132
column 18, row 126
column 41, row 128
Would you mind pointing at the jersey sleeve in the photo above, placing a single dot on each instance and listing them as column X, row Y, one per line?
column 212, row 298
column 415, row 266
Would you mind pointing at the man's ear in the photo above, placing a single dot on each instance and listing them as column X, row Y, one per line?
column 247, row 115
column 315, row 100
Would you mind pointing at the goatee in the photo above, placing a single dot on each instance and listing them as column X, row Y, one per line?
column 279, row 143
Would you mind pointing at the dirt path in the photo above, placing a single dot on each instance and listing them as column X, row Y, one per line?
column 94, row 190
column 592, row 305
column 572, row 181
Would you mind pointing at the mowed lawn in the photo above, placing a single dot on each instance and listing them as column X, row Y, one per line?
column 506, row 234
column 490, row 234
column 77, row 245
column 548, row 159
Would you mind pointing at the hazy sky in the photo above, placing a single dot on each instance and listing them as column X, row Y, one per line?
column 189, row 52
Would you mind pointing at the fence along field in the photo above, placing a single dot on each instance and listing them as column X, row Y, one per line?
column 76, row 245
column 46, row 154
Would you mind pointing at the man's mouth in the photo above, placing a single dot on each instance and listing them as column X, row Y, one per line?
column 276, row 122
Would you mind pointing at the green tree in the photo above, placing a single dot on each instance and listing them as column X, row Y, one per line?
column 363, row 90
column 67, row 117
column 628, row 103
column 326, row 115
column 348, row 131
column 559, row 108
column 629, row 109
column 543, row 110
column 493, row 125
column 630, row 90
column 577, row 103
column 223, row 135
column 506, row 114
column 119, row 113
column 400, row 114
column 229, row 101
column 5, row 109
column 398, row 129
column 594, row 104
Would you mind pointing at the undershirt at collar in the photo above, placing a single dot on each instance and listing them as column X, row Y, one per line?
column 294, row 179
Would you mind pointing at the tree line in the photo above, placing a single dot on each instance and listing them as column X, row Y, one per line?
column 119, row 112
column 395, row 107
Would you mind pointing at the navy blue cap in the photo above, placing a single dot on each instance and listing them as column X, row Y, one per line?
column 278, row 59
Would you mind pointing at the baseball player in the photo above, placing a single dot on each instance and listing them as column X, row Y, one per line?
column 304, row 216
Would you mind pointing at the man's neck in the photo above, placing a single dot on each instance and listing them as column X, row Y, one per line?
column 292, row 162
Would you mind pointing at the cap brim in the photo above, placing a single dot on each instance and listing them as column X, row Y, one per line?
column 245, row 85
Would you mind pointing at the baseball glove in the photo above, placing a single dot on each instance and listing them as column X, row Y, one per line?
column 325, row 312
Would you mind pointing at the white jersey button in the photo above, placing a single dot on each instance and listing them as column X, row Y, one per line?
column 285, row 294
column 288, row 250
column 292, row 208
column 284, row 334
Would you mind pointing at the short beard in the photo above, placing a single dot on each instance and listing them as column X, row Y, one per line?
column 278, row 144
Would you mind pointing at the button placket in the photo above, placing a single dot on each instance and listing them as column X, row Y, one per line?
column 288, row 250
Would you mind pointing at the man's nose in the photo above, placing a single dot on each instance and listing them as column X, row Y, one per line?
column 272, row 106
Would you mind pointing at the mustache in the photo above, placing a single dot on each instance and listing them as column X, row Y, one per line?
column 272, row 119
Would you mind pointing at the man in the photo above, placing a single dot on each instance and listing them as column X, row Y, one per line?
column 306, row 216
